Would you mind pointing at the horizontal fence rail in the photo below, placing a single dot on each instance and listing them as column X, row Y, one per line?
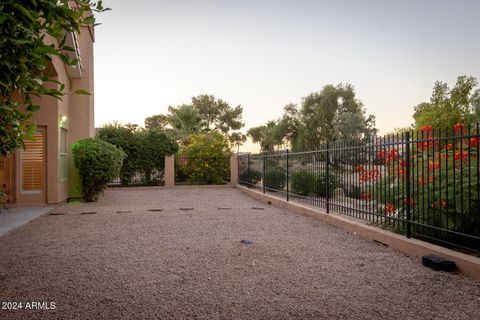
column 423, row 184
column 202, row 170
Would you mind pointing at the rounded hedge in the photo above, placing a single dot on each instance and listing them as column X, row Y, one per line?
column 303, row 183
column 307, row 183
column 275, row 179
column 98, row 162
column 251, row 177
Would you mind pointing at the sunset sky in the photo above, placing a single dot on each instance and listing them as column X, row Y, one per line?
column 266, row 54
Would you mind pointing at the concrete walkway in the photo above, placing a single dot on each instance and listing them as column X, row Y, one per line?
column 16, row 217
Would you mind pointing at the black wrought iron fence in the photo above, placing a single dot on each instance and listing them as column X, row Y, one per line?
column 423, row 184
column 202, row 171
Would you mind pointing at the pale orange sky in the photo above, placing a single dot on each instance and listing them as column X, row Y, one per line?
column 266, row 54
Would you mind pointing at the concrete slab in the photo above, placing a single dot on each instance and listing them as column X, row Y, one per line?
column 18, row 216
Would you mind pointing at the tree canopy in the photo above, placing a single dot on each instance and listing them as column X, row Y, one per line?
column 217, row 114
column 450, row 106
column 330, row 115
column 25, row 57
column 203, row 114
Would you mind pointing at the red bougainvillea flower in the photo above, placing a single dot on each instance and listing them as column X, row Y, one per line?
column 425, row 129
column 381, row 154
column 405, row 201
column 461, row 155
column 401, row 173
column 433, row 205
column 390, row 208
column 393, row 154
column 473, row 142
column 449, row 146
column 367, row 196
column 359, row 168
column 427, row 144
column 433, row 165
column 370, row 175
column 420, row 182
column 458, row 128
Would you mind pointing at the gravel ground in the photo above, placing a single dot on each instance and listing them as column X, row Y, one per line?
column 191, row 264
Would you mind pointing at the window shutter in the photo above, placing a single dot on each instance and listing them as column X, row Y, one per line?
column 33, row 163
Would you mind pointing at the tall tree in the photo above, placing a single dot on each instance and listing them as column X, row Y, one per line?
column 159, row 121
column 449, row 106
column 330, row 115
column 218, row 114
column 291, row 127
column 25, row 58
column 185, row 119
column 334, row 114
column 237, row 139
column 268, row 136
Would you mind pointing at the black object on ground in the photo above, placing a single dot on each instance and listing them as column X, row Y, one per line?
column 224, row 208
column 124, row 211
column 155, row 210
column 89, row 212
column 258, row 208
column 247, row 242
column 56, row 213
column 184, row 209
column 438, row 263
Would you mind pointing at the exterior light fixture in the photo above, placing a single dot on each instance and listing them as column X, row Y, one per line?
column 63, row 120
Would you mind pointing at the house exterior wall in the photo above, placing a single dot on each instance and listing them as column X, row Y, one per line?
column 79, row 124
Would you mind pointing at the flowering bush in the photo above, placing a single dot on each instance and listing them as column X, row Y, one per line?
column 444, row 188
column 205, row 160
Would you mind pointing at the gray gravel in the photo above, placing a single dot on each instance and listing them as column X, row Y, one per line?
column 191, row 264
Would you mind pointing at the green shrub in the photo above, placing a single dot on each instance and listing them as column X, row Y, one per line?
column 251, row 177
column 98, row 162
column 207, row 159
column 321, row 185
column 125, row 138
column 303, row 183
column 353, row 191
column 275, row 178
column 154, row 145
column 308, row 183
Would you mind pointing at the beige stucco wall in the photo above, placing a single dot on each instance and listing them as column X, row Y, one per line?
column 79, row 110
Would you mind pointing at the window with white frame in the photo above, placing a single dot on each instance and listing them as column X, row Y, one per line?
column 63, row 154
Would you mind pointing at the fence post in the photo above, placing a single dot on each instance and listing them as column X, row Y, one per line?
column 248, row 168
column 327, row 180
column 288, row 198
column 407, row 174
column 263, row 173
column 234, row 171
column 170, row 171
